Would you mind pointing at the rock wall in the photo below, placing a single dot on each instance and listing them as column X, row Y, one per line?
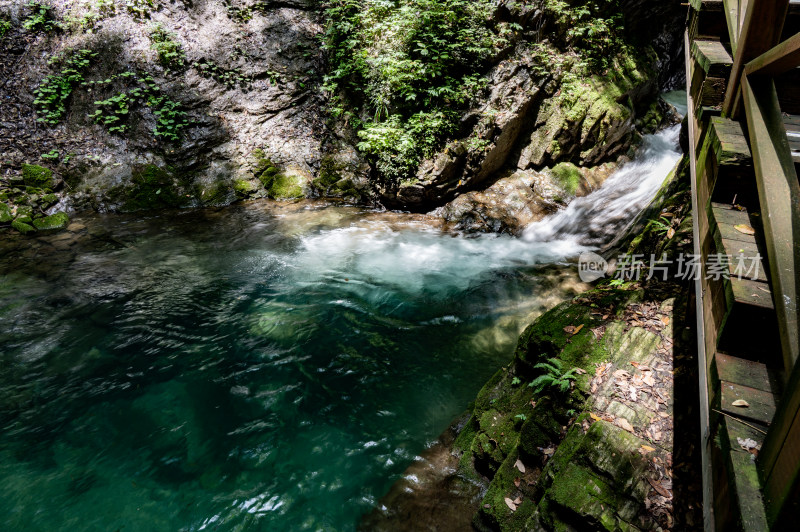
column 138, row 104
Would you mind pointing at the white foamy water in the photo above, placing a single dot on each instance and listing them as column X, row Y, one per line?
column 597, row 218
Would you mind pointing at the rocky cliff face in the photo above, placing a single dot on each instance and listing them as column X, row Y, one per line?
column 136, row 104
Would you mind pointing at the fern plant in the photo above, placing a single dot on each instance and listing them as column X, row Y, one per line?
column 555, row 377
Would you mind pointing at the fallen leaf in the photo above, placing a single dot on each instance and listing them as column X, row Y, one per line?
column 549, row 451
column 518, row 500
column 578, row 329
column 659, row 488
column 621, row 373
column 487, row 506
column 740, row 403
column 511, row 504
column 623, row 423
column 665, row 320
column 671, row 232
column 745, row 229
column 569, row 329
column 580, row 371
column 517, row 481
column 649, row 380
column 647, row 449
column 519, row 465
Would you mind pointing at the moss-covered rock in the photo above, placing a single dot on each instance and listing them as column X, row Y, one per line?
column 5, row 213
column 568, row 177
column 151, row 187
column 54, row 222
column 37, row 176
column 22, row 227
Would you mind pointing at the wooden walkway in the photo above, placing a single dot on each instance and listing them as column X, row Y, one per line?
column 743, row 82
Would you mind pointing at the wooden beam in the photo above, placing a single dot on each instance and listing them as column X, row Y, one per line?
column 777, row 60
column 779, row 197
column 761, row 30
column 709, row 520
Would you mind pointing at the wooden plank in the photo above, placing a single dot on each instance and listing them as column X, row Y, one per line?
column 709, row 521
column 713, row 57
column 746, row 260
column 777, row 60
column 761, row 30
column 753, row 293
column 746, row 373
column 744, row 477
column 779, row 197
column 762, row 403
column 727, row 213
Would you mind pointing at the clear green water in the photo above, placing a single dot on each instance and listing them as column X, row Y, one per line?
column 256, row 368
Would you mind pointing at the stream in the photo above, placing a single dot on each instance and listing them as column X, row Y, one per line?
column 267, row 366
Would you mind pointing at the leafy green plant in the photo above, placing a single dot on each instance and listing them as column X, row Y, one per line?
column 521, row 417
column 140, row 8
column 515, row 381
column 113, row 112
column 97, row 10
column 5, row 25
column 406, row 68
column 54, row 91
column 661, row 225
column 228, row 77
column 170, row 52
column 41, row 18
column 617, row 283
column 52, row 154
column 555, row 377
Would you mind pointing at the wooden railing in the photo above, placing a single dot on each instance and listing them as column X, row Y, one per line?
column 751, row 96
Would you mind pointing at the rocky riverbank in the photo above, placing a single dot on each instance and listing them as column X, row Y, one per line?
column 604, row 439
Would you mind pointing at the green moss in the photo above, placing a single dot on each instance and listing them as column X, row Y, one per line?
column 22, row 227
column 152, row 187
column 265, row 170
column 5, row 213
column 37, row 176
column 568, row 177
column 54, row 222
column 48, row 199
column 286, row 186
column 244, row 188
column 217, row 194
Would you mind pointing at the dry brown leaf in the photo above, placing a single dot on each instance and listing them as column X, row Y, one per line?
column 745, row 229
column 569, row 329
column 623, row 423
column 649, row 380
column 510, row 504
column 578, row 329
column 580, row 371
column 518, row 500
column 741, row 403
column 671, row 232
column 519, row 465
column 517, row 481
column 665, row 320
column 647, row 449
column 659, row 488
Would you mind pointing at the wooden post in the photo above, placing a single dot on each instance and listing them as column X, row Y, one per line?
column 761, row 27
column 779, row 196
